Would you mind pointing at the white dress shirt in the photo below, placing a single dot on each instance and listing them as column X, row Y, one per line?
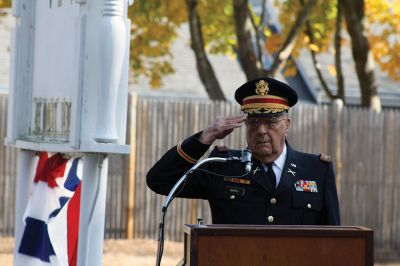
column 278, row 165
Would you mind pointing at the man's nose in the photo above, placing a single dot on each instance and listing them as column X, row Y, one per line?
column 262, row 128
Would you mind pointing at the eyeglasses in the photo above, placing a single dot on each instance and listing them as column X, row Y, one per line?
column 271, row 123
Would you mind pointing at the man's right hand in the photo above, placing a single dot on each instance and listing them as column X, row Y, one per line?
column 220, row 128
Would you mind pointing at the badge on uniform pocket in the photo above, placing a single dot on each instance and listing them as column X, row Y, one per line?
column 306, row 186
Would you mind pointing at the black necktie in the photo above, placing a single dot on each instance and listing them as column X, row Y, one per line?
column 271, row 175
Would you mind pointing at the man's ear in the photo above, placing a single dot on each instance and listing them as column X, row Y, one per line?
column 287, row 121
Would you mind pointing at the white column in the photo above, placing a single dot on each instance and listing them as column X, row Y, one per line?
column 25, row 175
column 112, row 50
column 92, row 209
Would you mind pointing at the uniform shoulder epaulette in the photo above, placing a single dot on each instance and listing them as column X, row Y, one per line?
column 325, row 157
column 221, row 148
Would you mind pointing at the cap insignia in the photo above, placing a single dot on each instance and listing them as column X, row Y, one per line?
column 262, row 87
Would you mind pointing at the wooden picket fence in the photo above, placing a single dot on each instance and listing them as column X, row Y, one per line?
column 364, row 145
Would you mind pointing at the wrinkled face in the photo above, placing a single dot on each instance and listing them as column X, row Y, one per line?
column 266, row 136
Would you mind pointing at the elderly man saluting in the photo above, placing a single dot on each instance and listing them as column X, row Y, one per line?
column 284, row 186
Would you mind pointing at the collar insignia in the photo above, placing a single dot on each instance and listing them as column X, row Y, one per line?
column 291, row 172
column 256, row 170
column 292, row 164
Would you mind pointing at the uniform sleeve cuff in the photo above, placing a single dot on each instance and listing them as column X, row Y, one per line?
column 191, row 149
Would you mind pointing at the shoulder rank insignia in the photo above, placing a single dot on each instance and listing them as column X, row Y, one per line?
column 306, row 186
column 325, row 157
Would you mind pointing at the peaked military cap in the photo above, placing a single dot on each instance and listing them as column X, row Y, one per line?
column 265, row 97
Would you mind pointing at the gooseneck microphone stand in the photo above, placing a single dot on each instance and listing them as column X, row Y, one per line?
column 175, row 190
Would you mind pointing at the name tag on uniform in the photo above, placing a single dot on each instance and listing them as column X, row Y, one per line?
column 234, row 191
column 306, row 186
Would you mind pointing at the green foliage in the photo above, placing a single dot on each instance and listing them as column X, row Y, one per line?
column 154, row 29
column 155, row 24
column 322, row 21
column 217, row 25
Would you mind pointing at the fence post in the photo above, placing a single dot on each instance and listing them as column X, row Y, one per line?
column 132, row 109
column 335, row 140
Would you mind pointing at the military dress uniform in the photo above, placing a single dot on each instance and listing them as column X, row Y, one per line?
column 306, row 193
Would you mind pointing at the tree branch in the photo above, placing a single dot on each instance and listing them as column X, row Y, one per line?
column 257, row 29
column 353, row 12
column 283, row 54
column 317, row 65
column 247, row 56
column 205, row 70
column 258, row 39
column 338, row 53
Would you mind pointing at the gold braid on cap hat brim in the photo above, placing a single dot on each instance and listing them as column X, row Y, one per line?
column 263, row 110
column 264, row 104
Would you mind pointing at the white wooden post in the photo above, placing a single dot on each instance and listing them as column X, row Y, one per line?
column 335, row 140
column 69, row 95
column 93, row 208
column 112, row 51
column 25, row 175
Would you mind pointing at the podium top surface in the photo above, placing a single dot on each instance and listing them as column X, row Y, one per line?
column 306, row 230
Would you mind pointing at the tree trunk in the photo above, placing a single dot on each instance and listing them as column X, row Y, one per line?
column 283, row 54
column 354, row 15
column 247, row 56
column 317, row 65
column 258, row 29
column 204, row 68
column 338, row 54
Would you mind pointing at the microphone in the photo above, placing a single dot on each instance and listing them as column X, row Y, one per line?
column 246, row 158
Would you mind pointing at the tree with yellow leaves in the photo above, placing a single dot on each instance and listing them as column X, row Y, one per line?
column 384, row 34
column 311, row 24
column 154, row 26
column 5, row 3
column 374, row 34
column 231, row 27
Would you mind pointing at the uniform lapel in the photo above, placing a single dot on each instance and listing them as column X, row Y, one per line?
column 259, row 175
column 289, row 173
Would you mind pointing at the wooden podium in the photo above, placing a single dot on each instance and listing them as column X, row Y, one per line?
column 241, row 245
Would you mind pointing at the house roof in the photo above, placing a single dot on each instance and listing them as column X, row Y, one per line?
column 388, row 89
